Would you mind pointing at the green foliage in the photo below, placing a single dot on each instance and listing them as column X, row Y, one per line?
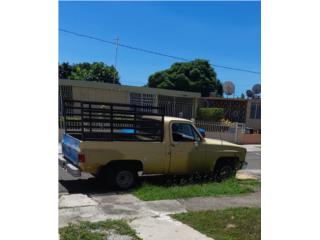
column 195, row 76
column 150, row 192
column 65, row 70
column 97, row 71
column 228, row 224
column 97, row 230
column 211, row 114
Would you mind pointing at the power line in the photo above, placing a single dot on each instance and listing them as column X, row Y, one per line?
column 149, row 51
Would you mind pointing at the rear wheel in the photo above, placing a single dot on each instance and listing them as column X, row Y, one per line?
column 125, row 179
column 121, row 178
column 224, row 171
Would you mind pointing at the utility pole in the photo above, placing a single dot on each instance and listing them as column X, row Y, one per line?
column 115, row 60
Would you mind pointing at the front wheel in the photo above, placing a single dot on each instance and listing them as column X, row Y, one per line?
column 224, row 171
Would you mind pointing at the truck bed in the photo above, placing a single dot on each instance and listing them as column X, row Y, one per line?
column 99, row 153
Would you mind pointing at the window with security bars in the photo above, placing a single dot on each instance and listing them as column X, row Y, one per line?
column 255, row 111
column 176, row 106
column 142, row 99
column 65, row 92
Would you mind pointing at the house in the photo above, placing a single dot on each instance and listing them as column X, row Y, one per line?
column 176, row 103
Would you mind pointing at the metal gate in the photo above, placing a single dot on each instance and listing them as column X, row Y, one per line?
column 229, row 132
column 177, row 106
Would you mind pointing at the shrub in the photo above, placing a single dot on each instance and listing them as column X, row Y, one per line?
column 226, row 122
column 210, row 114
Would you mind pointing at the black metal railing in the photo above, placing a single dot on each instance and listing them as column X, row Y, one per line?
column 101, row 121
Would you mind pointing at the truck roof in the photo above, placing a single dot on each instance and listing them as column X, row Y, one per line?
column 168, row 119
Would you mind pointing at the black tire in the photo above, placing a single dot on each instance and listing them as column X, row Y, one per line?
column 224, row 171
column 120, row 178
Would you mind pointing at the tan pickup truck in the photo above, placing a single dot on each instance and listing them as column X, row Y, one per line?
column 119, row 142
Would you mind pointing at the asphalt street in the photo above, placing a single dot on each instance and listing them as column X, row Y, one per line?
column 254, row 160
column 88, row 184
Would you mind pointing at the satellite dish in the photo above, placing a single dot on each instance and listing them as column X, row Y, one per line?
column 249, row 93
column 256, row 89
column 228, row 88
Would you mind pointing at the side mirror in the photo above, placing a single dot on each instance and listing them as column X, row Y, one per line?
column 202, row 132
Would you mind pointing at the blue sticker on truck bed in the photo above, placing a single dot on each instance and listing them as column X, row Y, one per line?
column 70, row 148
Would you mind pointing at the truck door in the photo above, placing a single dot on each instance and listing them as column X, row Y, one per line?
column 187, row 152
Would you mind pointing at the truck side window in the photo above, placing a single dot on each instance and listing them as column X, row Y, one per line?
column 182, row 132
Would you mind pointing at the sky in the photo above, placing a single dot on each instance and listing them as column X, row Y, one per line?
column 225, row 33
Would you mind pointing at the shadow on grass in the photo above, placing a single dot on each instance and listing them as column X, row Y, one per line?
column 177, row 180
column 94, row 186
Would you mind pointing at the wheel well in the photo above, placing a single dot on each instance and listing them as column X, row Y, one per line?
column 133, row 164
column 227, row 160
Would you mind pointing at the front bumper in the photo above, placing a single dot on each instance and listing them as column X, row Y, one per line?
column 69, row 167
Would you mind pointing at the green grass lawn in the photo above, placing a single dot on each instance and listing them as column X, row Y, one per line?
column 150, row 192
column 229, row 224
column 96, row 231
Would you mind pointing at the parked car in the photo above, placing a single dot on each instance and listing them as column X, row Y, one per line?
column 120, row 142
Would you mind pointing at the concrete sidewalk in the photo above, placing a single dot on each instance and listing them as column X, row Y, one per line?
column 164, row 227
column 150, row 219
column 127, row 206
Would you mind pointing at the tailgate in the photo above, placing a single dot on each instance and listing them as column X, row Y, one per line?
column 71, row 148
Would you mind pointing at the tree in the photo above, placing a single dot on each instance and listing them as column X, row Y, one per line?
column 65, row 70
column 97, row 71
column 195, row 76
column 242, row 96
